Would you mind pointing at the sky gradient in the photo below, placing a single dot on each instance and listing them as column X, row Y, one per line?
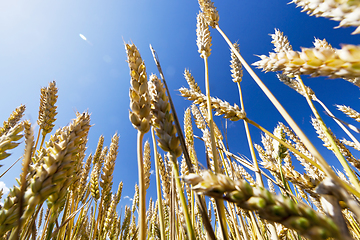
column 40, row 42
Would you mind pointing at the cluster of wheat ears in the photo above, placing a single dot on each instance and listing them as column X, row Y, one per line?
column 222, row 201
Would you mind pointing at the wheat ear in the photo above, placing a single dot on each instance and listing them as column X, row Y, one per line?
column 47, row 110
column 74, row 136
column 14, row 118
column 269, row 206
column 334, row 63
column 347, row 12
column 8, row 140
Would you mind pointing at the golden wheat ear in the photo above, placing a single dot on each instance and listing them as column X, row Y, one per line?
column 139, row 97
column 162, row 118
column 47, row 110
column 333, row 63
column 14, row 118
column 346, row 12
column 9, row 140
column 210, row 13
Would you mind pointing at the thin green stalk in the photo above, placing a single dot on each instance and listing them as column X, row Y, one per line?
column 285, row 183
column 189, row 227
column 192, row 208
column 251, row 145
column 50, row 227
column 142, row 190
column 335, row 149
column 158, row 188
column 219, row 203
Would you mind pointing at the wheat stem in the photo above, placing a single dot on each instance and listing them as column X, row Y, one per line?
column 253, row 155
column 335, row 148
column 190, row 229
column 219, row 203
column 37, row 141
column 92, row 231
column 251, row 146
column 339, row 123
column 142, row 191
column 158, row 188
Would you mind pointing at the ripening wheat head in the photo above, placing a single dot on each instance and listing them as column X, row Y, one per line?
column 347, row 12
column 210, row 12
column 47, row 110
column 139, row 97
column 162, row 118
column 334, row 63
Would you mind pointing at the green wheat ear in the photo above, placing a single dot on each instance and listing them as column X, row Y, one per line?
column 274, row 208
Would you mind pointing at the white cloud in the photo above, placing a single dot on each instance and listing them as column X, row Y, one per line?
column 130, row 199
column 6, row 190
column 152, row 172
column 3, row 186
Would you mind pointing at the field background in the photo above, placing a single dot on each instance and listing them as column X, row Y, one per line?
column 40, row 42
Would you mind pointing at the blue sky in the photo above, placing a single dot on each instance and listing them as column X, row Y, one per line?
column 40, row 42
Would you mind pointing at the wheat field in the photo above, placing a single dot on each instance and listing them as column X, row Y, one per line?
column 285, row 188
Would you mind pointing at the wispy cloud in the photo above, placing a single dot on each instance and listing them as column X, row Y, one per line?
column 127, row 197
column 5, row 189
